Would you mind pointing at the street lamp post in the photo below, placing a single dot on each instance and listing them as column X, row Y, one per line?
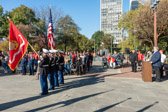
column 94, row 45
column 122, row 40
column 145, row 48
column 154, row 6
column 111, row 44
column 135, row 39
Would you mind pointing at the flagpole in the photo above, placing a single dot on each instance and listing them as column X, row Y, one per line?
column 32, row 48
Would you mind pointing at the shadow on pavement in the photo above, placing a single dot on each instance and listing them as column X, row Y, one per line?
column 68, row 102
column 97, row 69
column 125, row 65
column 111, row 106
column 90, row 80
column 100, row 69
column 7, row 74
column 115, row 74
column 147, row 107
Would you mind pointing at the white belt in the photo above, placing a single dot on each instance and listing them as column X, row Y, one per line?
column 45, row 65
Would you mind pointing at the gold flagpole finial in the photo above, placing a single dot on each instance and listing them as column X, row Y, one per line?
column 8, row 18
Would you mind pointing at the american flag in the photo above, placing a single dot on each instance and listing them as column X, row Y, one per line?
column 51, row 41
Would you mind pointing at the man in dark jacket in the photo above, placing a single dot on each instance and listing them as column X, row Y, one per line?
column 156, row 63
column 133, row 57
column 44, row 70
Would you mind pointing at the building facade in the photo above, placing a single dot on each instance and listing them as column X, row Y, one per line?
column 135, row 3
column 111, row 11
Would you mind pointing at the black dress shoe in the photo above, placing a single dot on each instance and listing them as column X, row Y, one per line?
column 51, row 89
column 43, row 94
column 157, row 80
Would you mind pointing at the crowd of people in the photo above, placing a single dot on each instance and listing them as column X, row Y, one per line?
column 4, row 58
column 51, row 64
column 113, row 61
column 55, row 64
column 157, row 59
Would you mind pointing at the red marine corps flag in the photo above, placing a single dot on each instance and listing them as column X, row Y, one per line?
column 17, row 46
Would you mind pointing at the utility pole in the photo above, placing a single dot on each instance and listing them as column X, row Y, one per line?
column 94, row 44
column 122, row 40
column 135, row 39
column 155, row 27
column 154, row 6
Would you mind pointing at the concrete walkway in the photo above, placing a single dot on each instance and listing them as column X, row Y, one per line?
column 87, row 93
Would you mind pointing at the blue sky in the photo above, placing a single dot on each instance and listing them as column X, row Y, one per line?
column 85, row 13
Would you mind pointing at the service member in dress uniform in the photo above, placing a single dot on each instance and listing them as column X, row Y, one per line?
column 31, row 63
column 56, row 68
column 51, row 70
column 23, row 65
column 61, row 67
column 44, row 70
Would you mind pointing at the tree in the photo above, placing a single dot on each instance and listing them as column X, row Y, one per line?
column 126, row 23
column 97, row 36
column 107, row 41
column 43, row 14
column 4, row 46
column 89, row 45
column 139, row 23
column 23, row 15
column 80, row 42
column 65, row 30
column 4, row 23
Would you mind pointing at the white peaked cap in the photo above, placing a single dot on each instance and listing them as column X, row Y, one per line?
column 51, row 51
column 45, row 50
column 61, row 52
column 55, row 50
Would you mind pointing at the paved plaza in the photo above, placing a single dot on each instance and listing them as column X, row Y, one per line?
column 94, row 92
